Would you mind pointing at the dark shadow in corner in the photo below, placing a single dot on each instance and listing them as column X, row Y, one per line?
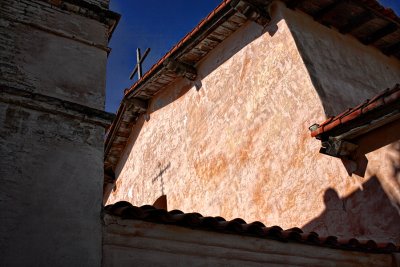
column 272, row 28
column 111, row 181
column 109, row 184
column 362, row 214
column 367, row 212
column 326, row 60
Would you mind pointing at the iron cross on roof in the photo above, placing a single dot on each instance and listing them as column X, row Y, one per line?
column 139, row 59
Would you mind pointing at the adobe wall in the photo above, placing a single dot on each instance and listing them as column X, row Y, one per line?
column 51, row 41
column 51, row 183
column 52, row 72
column 236, row 142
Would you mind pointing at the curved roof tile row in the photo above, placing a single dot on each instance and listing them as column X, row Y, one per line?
column 238, row 226
column 381, row 105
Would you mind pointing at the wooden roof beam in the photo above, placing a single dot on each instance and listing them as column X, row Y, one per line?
column 251, row 12
column 181, row 69
column 292, row 4
column 392, row 49
column 320, row 14
column 136, row 103
column 356, row 22
column 382, row 32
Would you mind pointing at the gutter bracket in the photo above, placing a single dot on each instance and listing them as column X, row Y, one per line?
column 337, row 148
column 181, row 69
column 251, row 11
column 136, row 103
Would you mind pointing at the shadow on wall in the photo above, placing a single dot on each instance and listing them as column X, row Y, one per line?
column 357, row 162
column 372, row 211
column 339, row 66
column 159, row 176
column 366, row 213
column 112, row 182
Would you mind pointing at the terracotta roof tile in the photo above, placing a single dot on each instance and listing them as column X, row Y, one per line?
column 238, row 226
column 346, row 118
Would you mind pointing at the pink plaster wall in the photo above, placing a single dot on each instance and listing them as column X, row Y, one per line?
column 235, row 143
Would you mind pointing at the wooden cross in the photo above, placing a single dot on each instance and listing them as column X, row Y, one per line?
column 138, row 67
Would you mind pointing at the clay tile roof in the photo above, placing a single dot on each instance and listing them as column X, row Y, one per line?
column 238, row 226
column 383, row 104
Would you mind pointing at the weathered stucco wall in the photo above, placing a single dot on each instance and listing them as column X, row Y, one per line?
column 51, row 147
column 44, row 56
column 129, row 242
column 51, row 169
column 236, row 142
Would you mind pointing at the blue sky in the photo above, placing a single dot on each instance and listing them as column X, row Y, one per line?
column 158, row 24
